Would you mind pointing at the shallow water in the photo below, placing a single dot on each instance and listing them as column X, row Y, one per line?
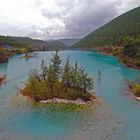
column 116, row 117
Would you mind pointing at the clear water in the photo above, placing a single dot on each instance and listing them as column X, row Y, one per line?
column 114, row 118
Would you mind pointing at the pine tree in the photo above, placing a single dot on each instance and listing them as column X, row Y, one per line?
column 34, row 73
column 33, row 84
column 66, row 75
column 75, row 75
column 44, row 69
column 50, row 79
column 130, row 46
column 56, row 61
column 85, row 81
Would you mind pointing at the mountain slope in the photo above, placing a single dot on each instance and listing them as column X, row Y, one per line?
column 30, row 41
column 6, row 41
column 56, row 44
column 112, row 33
column 69, row 41
column 50, row 45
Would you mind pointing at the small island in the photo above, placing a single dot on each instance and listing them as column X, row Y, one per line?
column 59, row 83
column 27, row 53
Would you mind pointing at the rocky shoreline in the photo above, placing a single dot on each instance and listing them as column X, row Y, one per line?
column 79, row 101
column 110, row 54
column 65, row 101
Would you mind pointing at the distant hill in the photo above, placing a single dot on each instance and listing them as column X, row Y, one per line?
column 113, row 32
column 10, row 45
column 56, row 44
column 69, row 41
column 9, row 42
column 30, row 41
column 50, row 45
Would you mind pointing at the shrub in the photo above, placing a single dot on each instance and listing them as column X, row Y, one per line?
column 136, row 89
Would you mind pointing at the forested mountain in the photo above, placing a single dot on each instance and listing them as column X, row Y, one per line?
column 30, row 41
column 16, row 45
column 6, row 40
column 113, row 32
column 49, row 45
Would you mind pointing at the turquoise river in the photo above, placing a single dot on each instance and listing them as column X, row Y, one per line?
column 115, row 117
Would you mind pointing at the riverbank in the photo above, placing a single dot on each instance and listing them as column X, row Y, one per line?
column 129, row 65
column 123, row 60
column 4, row 55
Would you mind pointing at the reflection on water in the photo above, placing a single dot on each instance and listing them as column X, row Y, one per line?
column 20, row 119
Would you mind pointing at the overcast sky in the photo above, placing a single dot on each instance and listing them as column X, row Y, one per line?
column 45, row 19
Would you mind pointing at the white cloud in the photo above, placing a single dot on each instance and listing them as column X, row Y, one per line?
column 58, row 18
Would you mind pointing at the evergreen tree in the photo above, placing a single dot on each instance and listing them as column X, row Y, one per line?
column 50, row 82
column 50, row 79
column 33, row 85
column 75, row 75
column 130, row 46
column 35, row 74
column 66, row 75
column 85, row 81
column 43, row 69
column 56, row 61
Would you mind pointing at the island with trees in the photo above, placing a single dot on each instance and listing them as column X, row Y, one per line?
column 59, row 83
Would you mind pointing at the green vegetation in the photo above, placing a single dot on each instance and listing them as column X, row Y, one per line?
column 120, row 37
column 113, row 33
column 6, row 40
column 57, row 81
column 10, row 46
column 130, row 54
column 63, row 108
column 41, row 44
column 135, row 87
column 4, row 55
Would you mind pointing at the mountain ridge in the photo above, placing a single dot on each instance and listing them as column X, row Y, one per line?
column 112, row 33
column 50, row 45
